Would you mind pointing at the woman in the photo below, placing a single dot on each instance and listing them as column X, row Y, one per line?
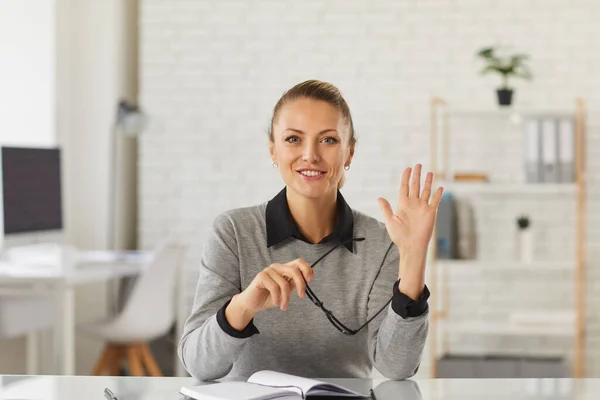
column 259, row 304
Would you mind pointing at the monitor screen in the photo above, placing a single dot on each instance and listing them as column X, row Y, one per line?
column 31, row 189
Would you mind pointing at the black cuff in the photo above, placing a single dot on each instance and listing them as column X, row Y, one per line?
column 406, row 307
column 248, row 331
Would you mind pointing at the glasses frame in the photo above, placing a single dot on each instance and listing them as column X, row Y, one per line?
column 328, row 313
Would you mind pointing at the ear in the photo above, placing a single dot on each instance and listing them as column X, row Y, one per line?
column 272, row 151
column 351, row 154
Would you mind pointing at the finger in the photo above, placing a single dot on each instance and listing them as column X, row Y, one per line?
column 284, row 288
column 427, row 189
column 385, row 208
column 297, row 277
column 437, row 197
column 291, row 285
column 415, row 187
column 305, row 269
column 267, row 282
column 404, row 183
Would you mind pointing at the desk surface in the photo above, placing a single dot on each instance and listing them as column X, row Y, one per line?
column 81, row 274
column 129, row 388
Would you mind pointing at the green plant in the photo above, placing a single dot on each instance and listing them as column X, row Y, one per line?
column 506, row 67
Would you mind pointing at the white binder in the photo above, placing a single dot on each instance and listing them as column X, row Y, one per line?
column 566, row 149
column 550, row 167
column 532, row 144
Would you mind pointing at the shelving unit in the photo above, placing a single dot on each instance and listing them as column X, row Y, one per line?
column 440, row 325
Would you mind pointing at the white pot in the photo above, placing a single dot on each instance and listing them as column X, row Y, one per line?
column 525, row 245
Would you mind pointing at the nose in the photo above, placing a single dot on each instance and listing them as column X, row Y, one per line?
column 310, row 153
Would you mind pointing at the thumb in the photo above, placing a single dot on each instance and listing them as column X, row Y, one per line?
column 385, row 208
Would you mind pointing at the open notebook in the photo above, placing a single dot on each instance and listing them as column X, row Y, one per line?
column 267, row 385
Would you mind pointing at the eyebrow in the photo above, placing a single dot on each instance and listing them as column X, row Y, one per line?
column 299, row 131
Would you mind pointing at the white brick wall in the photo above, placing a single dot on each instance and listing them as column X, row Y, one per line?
column 211, row 72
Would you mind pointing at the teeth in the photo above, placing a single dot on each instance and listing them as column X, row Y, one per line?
column 310, row 173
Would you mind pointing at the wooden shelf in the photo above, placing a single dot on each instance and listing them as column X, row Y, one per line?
column 508, row 113
column 499, row 265
column 507, row 329
column 521, row 323
column 458, row 188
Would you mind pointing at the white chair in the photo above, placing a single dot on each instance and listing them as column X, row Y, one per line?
column 148, row 314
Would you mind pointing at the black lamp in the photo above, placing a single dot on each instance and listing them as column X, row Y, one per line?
column 130, row 122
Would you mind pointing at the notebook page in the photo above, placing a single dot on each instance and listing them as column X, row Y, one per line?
column 236, row 391
column 273, row 378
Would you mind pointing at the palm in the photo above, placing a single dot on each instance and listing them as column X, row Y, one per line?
column 412, row 223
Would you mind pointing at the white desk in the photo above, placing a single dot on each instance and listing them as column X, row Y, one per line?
column 60, row 283
column 146, row 388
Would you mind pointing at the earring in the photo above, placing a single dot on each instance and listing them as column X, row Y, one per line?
column 275, row 165
column 347, row 167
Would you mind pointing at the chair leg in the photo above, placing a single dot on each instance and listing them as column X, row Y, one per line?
column 115, row 367
column 134, row 360
column 149, row 361
column 103, row 361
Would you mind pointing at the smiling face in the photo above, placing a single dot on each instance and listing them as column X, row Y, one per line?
column 311, row 144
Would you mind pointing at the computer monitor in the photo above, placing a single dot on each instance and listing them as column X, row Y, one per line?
column 31, row 190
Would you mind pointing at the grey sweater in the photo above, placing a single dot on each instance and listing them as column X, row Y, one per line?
column 301, row 340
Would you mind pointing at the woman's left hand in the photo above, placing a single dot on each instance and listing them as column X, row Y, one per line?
column 411, row 226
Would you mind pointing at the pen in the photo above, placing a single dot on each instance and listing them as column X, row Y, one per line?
column 372, row 394
column 109, row 395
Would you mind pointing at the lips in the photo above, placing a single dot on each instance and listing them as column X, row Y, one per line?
column 311, row 174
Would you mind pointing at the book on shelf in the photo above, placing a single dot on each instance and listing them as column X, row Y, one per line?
column 470, row 177
column 267, row 385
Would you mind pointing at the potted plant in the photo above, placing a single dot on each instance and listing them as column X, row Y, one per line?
column 507, row 66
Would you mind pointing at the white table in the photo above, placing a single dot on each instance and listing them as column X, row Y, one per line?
column 129, row 388
column 60, row 283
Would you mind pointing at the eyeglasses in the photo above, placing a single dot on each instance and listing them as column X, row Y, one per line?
column 334, row 321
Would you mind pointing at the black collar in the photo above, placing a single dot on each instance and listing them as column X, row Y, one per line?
column 281, row 225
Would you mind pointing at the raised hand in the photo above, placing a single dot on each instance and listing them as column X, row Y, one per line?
column 411, row 226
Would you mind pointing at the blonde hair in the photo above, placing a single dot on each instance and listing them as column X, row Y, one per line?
column 316, row 90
